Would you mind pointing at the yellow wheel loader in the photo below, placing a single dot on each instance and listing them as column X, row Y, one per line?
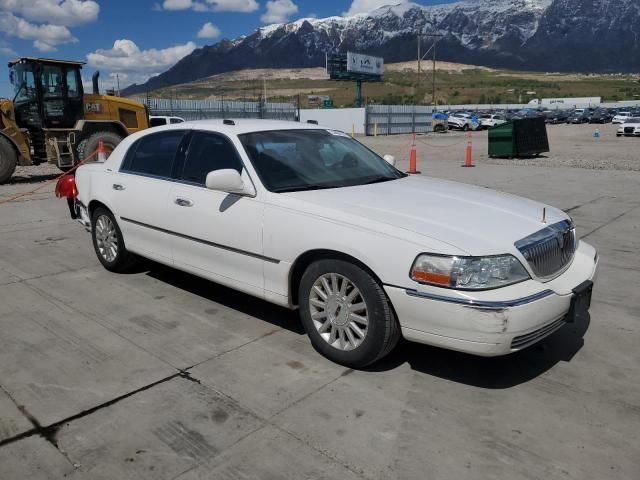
column 51, row 119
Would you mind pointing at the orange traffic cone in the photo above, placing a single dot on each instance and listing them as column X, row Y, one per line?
column 102, row 154
column 468, row 162
column 413, row 158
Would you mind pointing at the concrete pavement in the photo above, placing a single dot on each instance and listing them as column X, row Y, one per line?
column 159, row 375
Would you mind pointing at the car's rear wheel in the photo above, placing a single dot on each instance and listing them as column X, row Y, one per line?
column 346, row 313
column 108, row 242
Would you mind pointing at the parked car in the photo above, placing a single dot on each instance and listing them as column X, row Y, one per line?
column 599, row 116
column 557, row 116
column 630, row 128
column 579, row 115
column 463, row 121
column 158, row 120
column 309, row 218
column 621, row 117
column 491, row 120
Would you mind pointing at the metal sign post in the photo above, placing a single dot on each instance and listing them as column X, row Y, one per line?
column 355, row 67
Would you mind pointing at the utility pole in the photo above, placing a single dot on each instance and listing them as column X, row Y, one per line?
column 419, row 60
column 432, row 48
column 433, row 101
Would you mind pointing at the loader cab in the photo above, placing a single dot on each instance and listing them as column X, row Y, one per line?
column 48, row 93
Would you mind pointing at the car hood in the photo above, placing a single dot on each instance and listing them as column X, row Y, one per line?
column 475, row 220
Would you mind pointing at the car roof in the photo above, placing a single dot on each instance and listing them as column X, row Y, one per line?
column 241, row 125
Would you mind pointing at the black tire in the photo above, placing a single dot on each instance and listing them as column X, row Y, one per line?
column 8, row 159
column 465, row 127
column 122, row 260
column 90, row 144
column 382, row 331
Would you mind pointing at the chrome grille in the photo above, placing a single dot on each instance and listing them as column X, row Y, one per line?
column 549, row 251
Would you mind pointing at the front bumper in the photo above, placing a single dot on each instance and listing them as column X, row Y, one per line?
column 493, row 322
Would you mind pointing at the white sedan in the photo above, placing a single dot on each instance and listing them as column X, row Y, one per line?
column 621, row 117
column 309, row 218
column 491, row 120
column 630, row 128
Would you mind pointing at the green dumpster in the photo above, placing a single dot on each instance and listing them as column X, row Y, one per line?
column 502, row 141
column 524, row 137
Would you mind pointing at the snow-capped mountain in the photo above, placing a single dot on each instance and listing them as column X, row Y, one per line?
column 557, row 35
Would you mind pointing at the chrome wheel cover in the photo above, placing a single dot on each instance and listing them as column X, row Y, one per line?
column 106, row 238
column 338, row 311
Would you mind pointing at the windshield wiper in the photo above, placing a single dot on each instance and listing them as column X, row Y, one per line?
column 378, row 180
column 304, row 188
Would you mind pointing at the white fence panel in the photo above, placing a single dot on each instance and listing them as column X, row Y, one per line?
column 345, row 119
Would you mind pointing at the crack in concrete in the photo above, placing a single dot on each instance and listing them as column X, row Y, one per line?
column 617, row 217
column 50, row 432
column 589, row 202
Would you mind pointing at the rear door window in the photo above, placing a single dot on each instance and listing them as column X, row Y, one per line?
column 208, row 152
column 154, row 154
column 156, row 122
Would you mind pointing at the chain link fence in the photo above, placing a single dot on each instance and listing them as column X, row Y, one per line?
column 204, row 109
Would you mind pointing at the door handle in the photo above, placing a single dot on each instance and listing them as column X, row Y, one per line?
column 117, row 186
column 183, row 202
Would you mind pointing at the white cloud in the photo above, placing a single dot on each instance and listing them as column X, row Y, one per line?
column 209, row 30
column 364, row 6
column 177, row 4
column 57, row 12
column 279, row 11
column 244, row 6
column 45, row 37
column 126, row 59
column 6, row 49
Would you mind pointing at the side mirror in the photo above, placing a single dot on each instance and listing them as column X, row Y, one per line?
column 228, row 180
column 390, row 159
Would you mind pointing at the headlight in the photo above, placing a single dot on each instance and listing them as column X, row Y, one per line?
column 468, row 273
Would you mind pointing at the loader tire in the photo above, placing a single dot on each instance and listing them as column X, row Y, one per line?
column 8, row 160
column 90, row 144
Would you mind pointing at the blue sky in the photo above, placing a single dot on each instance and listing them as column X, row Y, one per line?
column 139, row 38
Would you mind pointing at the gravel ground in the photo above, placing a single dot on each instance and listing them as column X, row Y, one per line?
column 571, row 146
column 35, row 174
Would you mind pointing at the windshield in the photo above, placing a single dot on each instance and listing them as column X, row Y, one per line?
column 633, row 120
column 294, row 160
column 24, row 83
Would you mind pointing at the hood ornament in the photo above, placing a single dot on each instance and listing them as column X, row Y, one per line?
column 544, row 214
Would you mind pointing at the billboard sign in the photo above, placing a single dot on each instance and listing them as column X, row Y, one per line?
column 364, row 64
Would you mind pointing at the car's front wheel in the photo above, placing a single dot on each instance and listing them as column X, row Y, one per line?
column 346, row 313
column 108, row 242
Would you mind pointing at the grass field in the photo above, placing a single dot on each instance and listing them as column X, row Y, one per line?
column 455, row 84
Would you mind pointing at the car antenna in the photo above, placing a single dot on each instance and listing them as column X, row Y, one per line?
column 227, row 121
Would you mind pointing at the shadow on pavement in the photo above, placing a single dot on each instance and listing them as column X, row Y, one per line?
column 255, row 307
column 18, row 180
column 491, row 373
